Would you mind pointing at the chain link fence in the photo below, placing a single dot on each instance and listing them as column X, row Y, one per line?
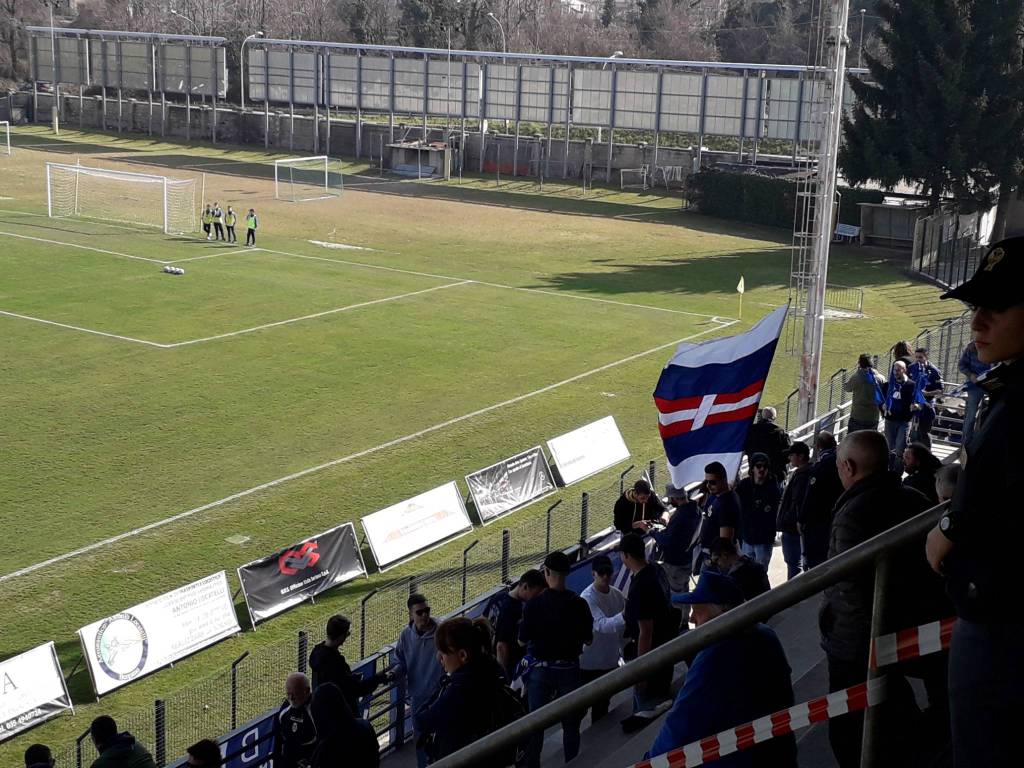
column 254, row 683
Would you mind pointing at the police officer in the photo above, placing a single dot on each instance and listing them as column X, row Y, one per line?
column 295, row 734
column 986, row 664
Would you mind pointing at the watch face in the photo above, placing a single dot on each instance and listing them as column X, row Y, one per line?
column 944, row 524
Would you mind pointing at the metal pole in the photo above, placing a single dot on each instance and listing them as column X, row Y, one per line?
column 584, row 518
column 622, row 478
column 814, row 321
column 506, row 555
column 234, row 693
column 465, row 568
column 547, row 527
column 54, row 112
column 160, row 731
column 362, row 623
column 737, row 620
column 301, row 651
column 869, row 738
column 860, row 46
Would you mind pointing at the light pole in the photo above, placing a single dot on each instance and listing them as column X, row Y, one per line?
column 504, row 44
column 614, row 56
column 55, row 88
column 860, row 48
column 195, row 27
column 241, row 63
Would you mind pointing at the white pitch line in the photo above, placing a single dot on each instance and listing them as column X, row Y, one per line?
column 214, row 255
column 317, row 314
column 83, row 247
column 346, row 459
column 85, row 330
column 557, row 294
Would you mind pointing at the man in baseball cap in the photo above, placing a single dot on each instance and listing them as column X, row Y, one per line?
column 985, row 672
column 734, row 681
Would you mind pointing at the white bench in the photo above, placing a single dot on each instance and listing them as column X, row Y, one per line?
column 846, row 231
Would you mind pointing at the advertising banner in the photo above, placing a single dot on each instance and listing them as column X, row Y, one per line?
column 32, row 690
column 276, row 583
column 153, row 634
column 510, row 484
column 416, row 524
column 587, row 450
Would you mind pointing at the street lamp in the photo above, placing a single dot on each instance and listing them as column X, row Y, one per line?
column 860, row 49
column 504, row 45
column 55, row 110
column 241, row 63
column 195, row 27
column 615, row 55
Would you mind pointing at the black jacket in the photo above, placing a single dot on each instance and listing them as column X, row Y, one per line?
column 759, row 506
column 823, row 491
column 793, row 497
column 295, row 736
column 343, row 741
column 769, row 438
column 463, row 706
column 872, row 505
column 329, row 666
column 923, row 481
column 749, row 575
column 628, row 510
column 986, row 507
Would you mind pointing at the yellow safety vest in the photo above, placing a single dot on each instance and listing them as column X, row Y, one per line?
column 207, row 218
column 229, row 219
column 250, row 222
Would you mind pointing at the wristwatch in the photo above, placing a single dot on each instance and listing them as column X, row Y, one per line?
column 948, row 526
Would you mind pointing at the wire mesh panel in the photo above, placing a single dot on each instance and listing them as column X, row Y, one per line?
column 500, row 91
column 591, row 97
column 680, row 102
column 376, row 83
column 278, row 75
column 636, row 100
column 782, row 99
column 136, row 65
column 724, row 106
column 535, row 93
column 409, row 82
column 444, row 87
column 305, row 68
column 343, row 73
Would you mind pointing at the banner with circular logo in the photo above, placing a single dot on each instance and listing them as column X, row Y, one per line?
column 151, row 635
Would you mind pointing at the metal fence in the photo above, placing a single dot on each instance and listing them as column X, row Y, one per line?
column 948, row 247
column 254, row 683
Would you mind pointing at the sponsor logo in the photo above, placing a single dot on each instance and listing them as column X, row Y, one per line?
column 294, row 560
column 122, row 646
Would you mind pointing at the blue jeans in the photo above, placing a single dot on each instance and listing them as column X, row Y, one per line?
column 974, row 397
column 896, row 436
column 762, row 553
column 544, row 685
column 791, row 550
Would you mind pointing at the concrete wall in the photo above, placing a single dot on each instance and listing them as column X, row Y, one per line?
column 285, row 132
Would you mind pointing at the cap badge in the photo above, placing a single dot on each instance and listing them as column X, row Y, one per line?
column 994, row 258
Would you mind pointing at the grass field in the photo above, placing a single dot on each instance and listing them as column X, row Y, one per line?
column 473, row 322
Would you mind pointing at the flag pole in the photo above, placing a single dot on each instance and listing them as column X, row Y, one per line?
column 741, row 306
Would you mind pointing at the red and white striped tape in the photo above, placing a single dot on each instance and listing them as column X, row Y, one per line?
column 911, row 643
column 852, row 699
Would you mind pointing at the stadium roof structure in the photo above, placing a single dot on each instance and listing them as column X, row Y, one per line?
column 151, row 37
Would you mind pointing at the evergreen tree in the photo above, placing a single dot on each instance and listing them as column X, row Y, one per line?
column 909, row 122
column 607, row 13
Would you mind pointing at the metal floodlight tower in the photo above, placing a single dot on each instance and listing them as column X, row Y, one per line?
column 812, row 240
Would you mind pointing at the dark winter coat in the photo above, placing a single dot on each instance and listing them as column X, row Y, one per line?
column 793, row 498
column 329, row 666
column 759, row 505
column 344, row 741
column 872, row 505
column 125, row 752
column 823, row 491
column 769, row 438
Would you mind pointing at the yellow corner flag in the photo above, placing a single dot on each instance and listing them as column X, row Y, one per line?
column 741, row 288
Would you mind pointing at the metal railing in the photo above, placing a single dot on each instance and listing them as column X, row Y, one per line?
column 842, row 298
column 865, row 555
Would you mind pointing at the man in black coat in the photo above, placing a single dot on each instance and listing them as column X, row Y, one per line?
column 765, row 436
column 921, row 464
column 823, row 490
column 636, row 507
column 329, row 666
column 792, row 504
column 873, row 501
column 295, row 734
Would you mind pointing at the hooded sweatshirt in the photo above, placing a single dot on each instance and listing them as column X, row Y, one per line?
column 416, row 661
column 628, row 510
column 124, row 752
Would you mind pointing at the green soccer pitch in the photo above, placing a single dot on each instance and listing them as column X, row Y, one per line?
column 390, row 339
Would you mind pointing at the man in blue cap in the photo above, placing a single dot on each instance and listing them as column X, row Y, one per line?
column 730, row 683
column 986, row 656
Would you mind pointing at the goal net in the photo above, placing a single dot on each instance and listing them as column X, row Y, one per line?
column 5, row 137
column 140, row 199
column 306, row 178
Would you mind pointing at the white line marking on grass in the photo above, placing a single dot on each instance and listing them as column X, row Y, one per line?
column 318, row 314
column 85, row 330
column 346, row 459
column 214, row 255
column 339, row 246
column 498, row 285
column 83, row 247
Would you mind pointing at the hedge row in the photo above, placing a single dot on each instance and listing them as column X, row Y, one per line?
column 764, row 200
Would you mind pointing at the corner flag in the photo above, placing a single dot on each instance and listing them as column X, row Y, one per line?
column 707, row 397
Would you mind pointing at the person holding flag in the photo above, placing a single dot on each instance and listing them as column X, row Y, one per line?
column 708, row 395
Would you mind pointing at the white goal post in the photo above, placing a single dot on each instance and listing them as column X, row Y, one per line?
column 298, row 179
column 141, row 199
column 5, row 137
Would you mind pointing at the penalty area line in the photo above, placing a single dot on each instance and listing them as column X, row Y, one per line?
column 84, row 330
column 83, row 247
column 347, row 459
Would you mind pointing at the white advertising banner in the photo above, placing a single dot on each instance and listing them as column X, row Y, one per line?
column 416, row 524
column 158, row 632
column 32, row 690
column 587, row 450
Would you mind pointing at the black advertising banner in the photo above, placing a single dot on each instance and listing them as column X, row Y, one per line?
column 510, row 484
column 276, row 583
